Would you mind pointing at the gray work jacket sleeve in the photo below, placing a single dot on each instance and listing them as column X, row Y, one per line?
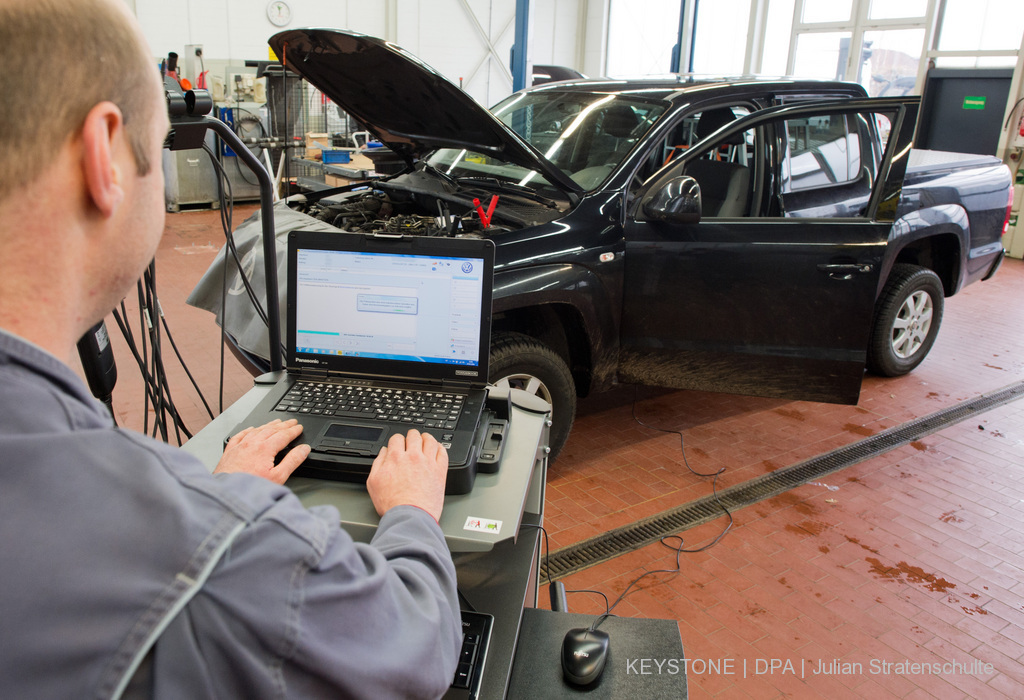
column 298, row 608
column 97, row 523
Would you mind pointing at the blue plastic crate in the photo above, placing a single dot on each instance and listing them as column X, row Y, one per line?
column 336, row 156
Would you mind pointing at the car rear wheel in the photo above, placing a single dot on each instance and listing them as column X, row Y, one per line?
column 907, row 319
column 521, row 362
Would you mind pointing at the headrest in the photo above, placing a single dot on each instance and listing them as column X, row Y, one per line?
column 714, row 119
column 619, row 121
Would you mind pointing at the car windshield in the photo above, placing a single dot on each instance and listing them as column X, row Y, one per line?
column 586, row 135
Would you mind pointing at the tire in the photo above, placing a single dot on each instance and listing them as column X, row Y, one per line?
column 522, row 362
column 907, row 319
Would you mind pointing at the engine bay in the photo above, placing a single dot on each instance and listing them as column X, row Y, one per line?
column 418, row 204
column 375, row 211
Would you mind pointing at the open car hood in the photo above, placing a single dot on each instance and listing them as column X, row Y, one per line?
column 405, row 103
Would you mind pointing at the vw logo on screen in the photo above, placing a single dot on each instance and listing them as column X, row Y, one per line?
column 467, row 267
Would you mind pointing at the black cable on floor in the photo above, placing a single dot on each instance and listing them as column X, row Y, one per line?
column 713, row 476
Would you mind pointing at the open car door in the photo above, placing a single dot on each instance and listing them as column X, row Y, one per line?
column 768, row 288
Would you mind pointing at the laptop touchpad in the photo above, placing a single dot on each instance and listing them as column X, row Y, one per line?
column 350, row 439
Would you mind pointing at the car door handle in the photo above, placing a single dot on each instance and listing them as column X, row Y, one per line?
column 846, row 271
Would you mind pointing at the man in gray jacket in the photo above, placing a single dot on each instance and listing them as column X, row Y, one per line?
column 125, row 567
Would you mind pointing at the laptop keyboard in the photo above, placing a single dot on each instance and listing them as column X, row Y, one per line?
column 476, row 634
column 426, row 409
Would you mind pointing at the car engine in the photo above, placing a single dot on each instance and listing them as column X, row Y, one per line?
column 377, row 212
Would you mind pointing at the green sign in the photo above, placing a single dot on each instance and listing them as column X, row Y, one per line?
column 974, row 102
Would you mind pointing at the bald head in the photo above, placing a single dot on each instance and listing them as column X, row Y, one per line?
column 58, row 59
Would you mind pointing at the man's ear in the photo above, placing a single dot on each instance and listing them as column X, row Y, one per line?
column 102, row 131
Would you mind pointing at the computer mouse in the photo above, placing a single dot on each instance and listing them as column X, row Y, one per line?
column 584, row 654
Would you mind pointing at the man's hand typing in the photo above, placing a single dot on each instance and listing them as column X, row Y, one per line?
column 411, row 470
column 252, row 451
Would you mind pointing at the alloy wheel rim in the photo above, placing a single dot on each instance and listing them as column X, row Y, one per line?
column 912, row 323
column 528, row 383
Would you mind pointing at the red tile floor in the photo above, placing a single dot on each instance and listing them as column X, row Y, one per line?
column 901, row 576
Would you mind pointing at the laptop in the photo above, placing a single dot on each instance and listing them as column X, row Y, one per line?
column 385, row 333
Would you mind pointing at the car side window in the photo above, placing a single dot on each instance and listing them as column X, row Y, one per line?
column 684, row 133
column 830, row 163
column 726, row 171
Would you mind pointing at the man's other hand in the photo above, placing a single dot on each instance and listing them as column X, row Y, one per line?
column 411, row 471
column 252, row 451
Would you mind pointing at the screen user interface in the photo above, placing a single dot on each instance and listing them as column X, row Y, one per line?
column 388, row 306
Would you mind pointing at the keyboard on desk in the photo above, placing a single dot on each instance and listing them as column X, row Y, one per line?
column 476, row 635
column 424, row 409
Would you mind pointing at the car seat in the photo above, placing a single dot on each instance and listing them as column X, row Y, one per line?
column 724, row 185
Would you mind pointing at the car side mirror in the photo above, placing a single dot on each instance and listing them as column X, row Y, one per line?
column 676, row 202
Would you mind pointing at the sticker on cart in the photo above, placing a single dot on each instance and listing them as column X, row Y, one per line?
column 482, row 525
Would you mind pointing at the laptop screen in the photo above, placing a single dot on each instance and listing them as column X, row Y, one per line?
column 389, row 307
column 364, row 310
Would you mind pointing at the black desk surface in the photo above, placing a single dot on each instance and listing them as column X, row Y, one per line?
column 537, row 670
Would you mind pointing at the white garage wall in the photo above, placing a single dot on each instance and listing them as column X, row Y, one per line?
column 449, row 35
column 556, row 35
column 238, row 29
column 451, row 40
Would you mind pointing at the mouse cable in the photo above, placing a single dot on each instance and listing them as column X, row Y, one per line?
column 608, row 611
column 547, row 548
column 610, row 607
column 679, row 550
column 709, row 475
column 547, row 564
column 682, row 446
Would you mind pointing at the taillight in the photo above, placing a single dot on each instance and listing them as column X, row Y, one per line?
column 1009, row 206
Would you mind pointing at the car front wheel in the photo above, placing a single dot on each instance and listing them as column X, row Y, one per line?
column 521, row 362
column 907, row 319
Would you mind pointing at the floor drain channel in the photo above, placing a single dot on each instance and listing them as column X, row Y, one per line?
column 582, row 555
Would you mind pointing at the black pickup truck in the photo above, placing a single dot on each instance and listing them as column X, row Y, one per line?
column 745, row 235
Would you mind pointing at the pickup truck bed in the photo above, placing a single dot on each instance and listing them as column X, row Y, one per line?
column 924, row 160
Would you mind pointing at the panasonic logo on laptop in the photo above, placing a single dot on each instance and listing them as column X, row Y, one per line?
column 308, row 362
column 466, row 373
